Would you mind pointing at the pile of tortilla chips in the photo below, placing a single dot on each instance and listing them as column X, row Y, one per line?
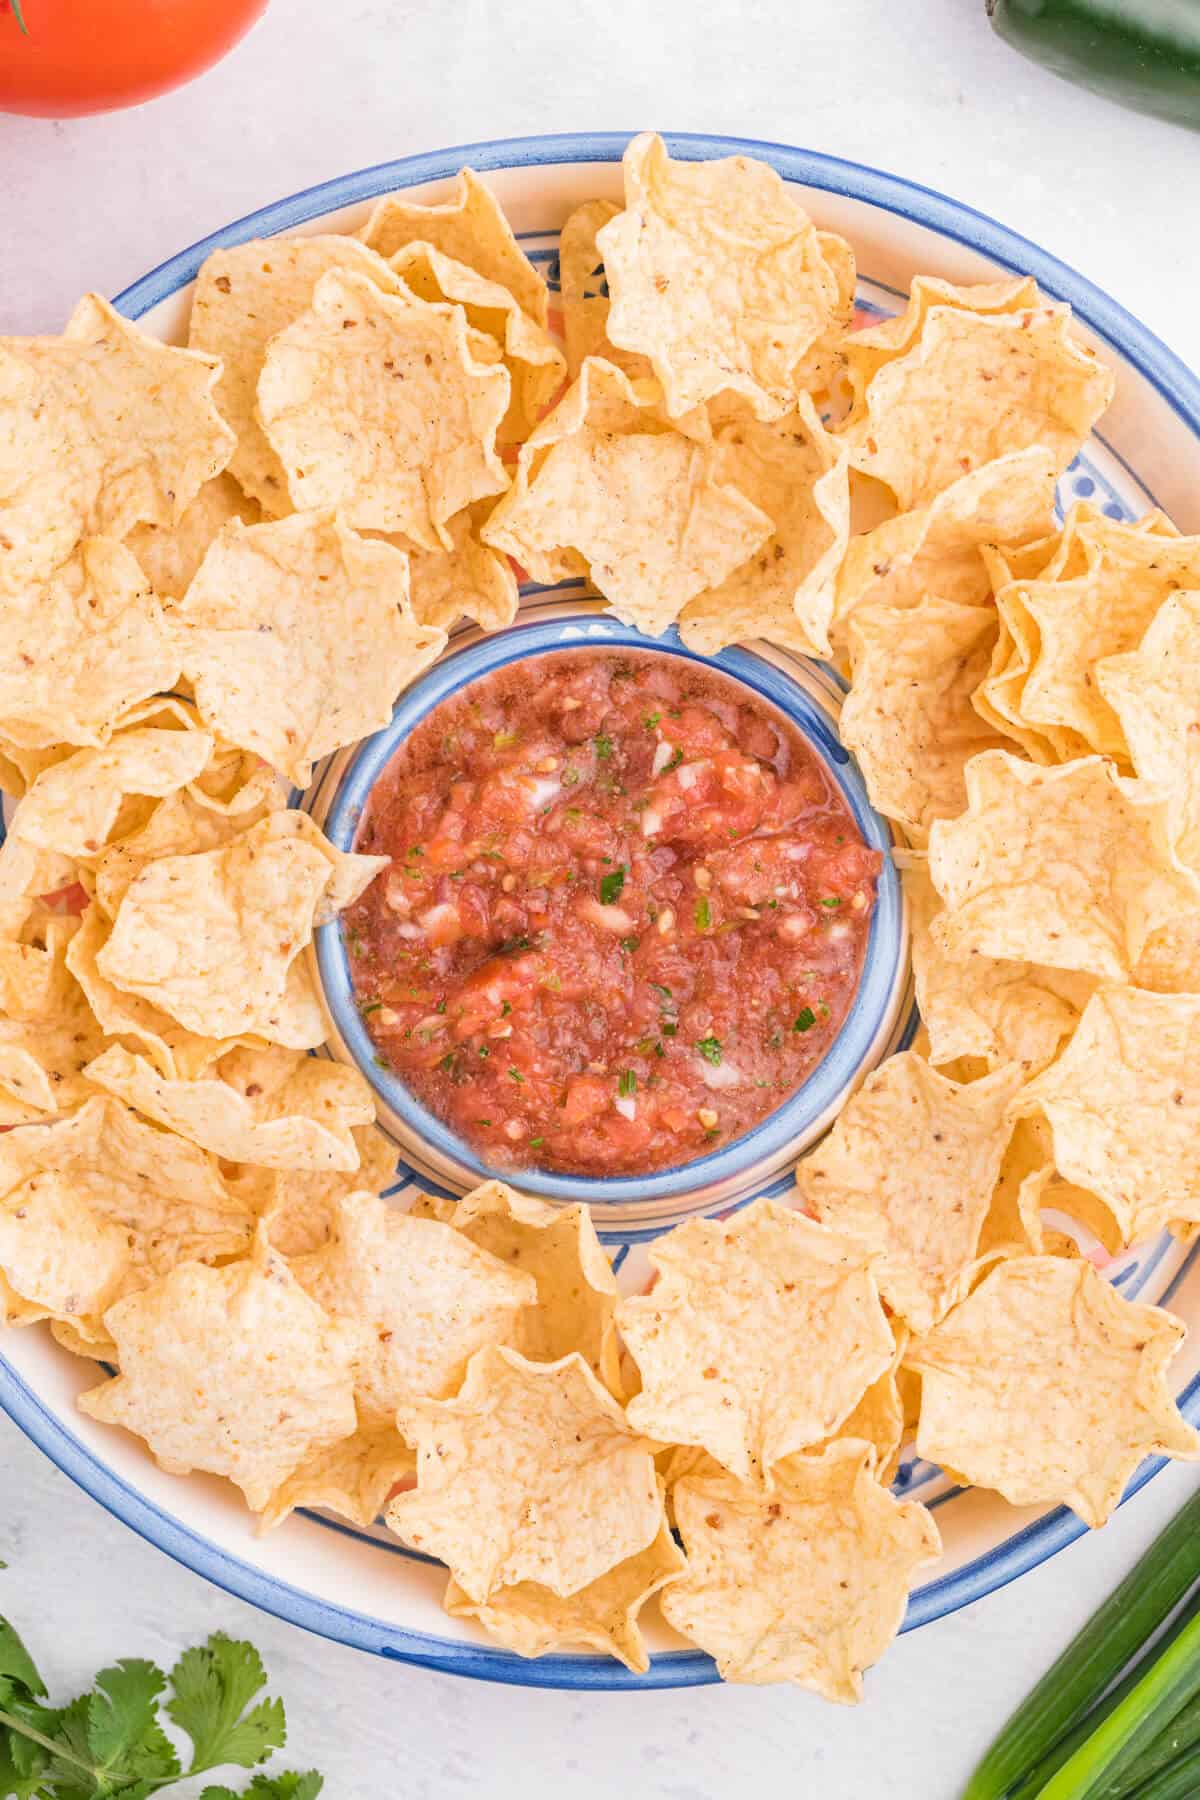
column 219, row 564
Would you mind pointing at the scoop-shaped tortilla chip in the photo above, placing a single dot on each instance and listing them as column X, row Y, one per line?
column 602, row 1616
column 1101, row 613
column 1123, row 1104
column 101, row 428
column 1154, row 691
column 244, row 295
column 418, row 1299
column 806, row 1583
column 868, row 351
column 761, row 1335
column 603, row 488
column 878, row 1419
column 43, row 1051
column 73, row 807
column 352, row 1477
column 558, row 1246
column 534, row 361
column 278, row 1109
column 973, row 387
column 234, row 1371
column 918, row 1214
column 1068, row 866
column 211, row 938
column 79, row 649
column 795, row 473
column 66, row 1182
column 297, row 636
column 936, row 549
column 1049, row 1387
column 716, row 274
column 978, row 1006
column 378, row 405
column 468, row 578
column 908, row 716
column 169, row 555
column 532, row 1473
column 471, row 227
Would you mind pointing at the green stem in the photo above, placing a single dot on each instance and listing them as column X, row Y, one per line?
column 1172, row 1681
column 20, row 16
column 59, row 1751
column 1178, row 1740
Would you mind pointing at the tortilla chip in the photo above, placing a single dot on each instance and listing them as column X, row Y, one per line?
column 246, row 294
column 26, row 874
column 233, row 1371
column 972, row 386
column 1101, row 613
column 102, row 428
column 417, row 1298
column 760, row 1337
column 585, row 299
column 42, row 1060
column 908, row 717
column 66, row 1181
column 73, row 807
column 298, row 636
column 300, row 1207
column 796, row 474
column 558, row 1246
column 352, row 1477
column 534, row 361
column 918, row 1215
column 807, row 1582
column 977, row 1006
column 211, row 938
column 279, row 1109
column 532, row 1620
column 35, row 983
column 602, row 488
column 78, row 650
column 170, row 555
column 1154, row 692
column 531, row 1474
column 937, row 549
column 716, row 274
column 471, row 227
column 1123, row 1105
column 1068, row 866
column 870, row 350
column 380, row 406
column 1049, row 1387
column 878, row 1419
column 184, row 823
column 468, row 578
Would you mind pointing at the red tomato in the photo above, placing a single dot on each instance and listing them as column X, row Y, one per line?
column 87, row 56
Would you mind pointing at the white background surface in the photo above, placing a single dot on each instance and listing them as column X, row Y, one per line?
column 323, row 86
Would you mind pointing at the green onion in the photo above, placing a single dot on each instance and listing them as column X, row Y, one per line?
column 610, row 887
column 1181, row 1781
column 1179, row 1741
column 627, row 1084
column 703, row 914
column 710, row 1049
column 1114, row 1634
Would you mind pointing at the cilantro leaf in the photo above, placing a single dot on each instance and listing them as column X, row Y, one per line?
column 16, row 1662
column 710, row 1049
column 611, row 886
column 212, row 1687
column 290, row 1785
column 122, row 1736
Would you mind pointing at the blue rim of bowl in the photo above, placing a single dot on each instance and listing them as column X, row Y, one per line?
column 1170, row 378
column 885, row 944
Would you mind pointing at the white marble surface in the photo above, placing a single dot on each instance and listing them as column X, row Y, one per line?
column 918, row 87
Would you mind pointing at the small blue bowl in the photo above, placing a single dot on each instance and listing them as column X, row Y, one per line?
column 809, row 698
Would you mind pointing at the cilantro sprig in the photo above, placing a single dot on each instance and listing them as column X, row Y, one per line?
column 110, row 1744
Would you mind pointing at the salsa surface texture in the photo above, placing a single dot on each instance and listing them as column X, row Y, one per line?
column 625, row 915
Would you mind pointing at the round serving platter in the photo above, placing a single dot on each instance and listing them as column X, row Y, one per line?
column 363, row 1587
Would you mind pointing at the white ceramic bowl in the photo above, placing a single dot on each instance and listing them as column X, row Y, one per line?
column 363, row 1588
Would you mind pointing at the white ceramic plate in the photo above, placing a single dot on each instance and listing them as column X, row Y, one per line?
column 364, row 1588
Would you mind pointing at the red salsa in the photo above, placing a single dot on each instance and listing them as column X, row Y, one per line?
column 625, row 914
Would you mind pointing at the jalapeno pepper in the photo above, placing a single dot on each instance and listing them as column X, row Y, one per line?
column 1141, row 53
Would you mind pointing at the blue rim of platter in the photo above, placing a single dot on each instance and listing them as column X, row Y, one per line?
column 859, row 1032
column 922, row 206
